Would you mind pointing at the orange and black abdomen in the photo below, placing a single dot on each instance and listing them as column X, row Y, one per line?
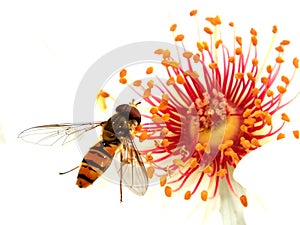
column 95, row 163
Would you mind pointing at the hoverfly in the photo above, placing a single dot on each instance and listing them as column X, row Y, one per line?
column 116, row 137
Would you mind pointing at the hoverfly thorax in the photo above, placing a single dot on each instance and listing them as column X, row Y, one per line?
column 130, row 111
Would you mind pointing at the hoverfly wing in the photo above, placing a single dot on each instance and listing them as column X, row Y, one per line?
column 53, row 133
column 131, row 168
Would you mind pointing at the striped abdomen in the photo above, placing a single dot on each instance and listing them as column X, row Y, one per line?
column 95, row 163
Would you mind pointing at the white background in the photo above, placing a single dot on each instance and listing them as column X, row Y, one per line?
column 45, row 49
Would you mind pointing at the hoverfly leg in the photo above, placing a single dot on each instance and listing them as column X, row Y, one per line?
column 121, row 192
column 62, row 173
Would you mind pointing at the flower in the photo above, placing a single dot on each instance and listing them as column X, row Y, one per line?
column 214, row 107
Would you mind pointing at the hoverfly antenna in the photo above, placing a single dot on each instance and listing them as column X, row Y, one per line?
column 134, row 104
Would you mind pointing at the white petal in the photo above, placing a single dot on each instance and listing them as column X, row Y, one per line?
column 272, row 172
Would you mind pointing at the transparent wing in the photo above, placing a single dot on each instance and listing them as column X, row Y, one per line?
column 53, row 133
column 131, row 168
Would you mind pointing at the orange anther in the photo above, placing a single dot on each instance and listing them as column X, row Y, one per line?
column 254, row 40
column 296, row 134
column 285, row 42
column 269, row 69
column 179, row 37
column 150, row 171
column 193, row 12
column 193, row 163
column 150, row 83
column 166, row 54
column 149, row 70
column 170, row 81
column 173, row 27
column 238, row 51
column 187, row 195
column 280, row 136
column 281, row 89
column 187, row 55
column 144, row 135
column 154, row 110
column 279, row 59
column 200, row 46
column 221, row 172
column 204, row 195
column 296, row 62
column 168, row 191
column 163, row 180
column 165, row 117
column 274, row 29
column 213, row 65
column 218, row 42
column 123, row 73
column 257, row 103
column 163, row 105
column 285, row 117
column 165, row 143
column 137, row 83
column 255, row 142
column 253, row 32
column 285, row 79
column 159, row 51
column 247, row 113
column 123, row 80
column 279, row 48
column 239, row 40
column 255, row 62
column 103, row 94
column 231, row 24
column 264, row 80
column 244, row 201
column 255, row 91
column 270, row 93
column 180, row 79
column 239, row 75
column 231, row 59
column 147, row 93
column 208, row 30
